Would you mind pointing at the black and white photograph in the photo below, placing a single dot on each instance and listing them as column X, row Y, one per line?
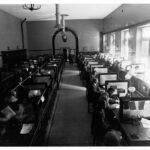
column 74, row 74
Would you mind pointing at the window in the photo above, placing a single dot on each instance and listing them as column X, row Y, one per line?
column 143, row 49
column 112, row 43
column 104, row 42
column 145, row 42
column 125, row 43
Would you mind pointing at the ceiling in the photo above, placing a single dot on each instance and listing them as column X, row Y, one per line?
column 47, row 11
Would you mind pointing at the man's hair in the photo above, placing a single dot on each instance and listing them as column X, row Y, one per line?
column 112, row 138
column 111, row 89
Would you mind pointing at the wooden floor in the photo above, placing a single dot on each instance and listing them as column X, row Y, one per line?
column 71, row 124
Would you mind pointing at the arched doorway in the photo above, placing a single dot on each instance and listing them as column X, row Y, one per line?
column 67, row 30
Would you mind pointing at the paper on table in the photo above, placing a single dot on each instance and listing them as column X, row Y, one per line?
column 8, row 112
column 145, row 123
column 114, row 106
column 42, row 98
column 26, row 128
column 33, row 93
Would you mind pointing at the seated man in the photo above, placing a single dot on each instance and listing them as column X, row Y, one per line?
column 112, row 138
column 96, row 92
column 113, row 99
column 103, row 122
column 25, row 113
column 100, row 124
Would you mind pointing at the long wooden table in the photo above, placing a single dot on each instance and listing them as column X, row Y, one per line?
column 135, row 133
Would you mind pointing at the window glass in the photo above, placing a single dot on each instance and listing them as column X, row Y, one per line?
column 144, row 50
column 125, row 44
column 112, row 44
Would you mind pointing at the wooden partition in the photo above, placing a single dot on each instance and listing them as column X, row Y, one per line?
column 10, row 58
